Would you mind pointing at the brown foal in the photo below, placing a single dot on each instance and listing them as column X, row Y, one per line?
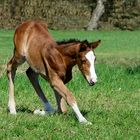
column 54, row 62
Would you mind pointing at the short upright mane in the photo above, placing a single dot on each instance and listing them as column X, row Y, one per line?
column 68, row 41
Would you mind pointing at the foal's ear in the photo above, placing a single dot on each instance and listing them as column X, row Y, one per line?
column 83, row 46
column 95, row 44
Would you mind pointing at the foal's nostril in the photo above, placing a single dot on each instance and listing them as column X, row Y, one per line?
column 91, row 83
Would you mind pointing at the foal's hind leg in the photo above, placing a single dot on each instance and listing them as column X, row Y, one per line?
column 33, row 77
column 61, row 103
column 11, row 71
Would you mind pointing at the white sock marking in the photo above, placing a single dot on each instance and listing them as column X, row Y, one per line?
column 78, row 114
column 11, row 107
column 11, row 102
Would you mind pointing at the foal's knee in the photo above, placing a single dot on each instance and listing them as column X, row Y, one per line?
column 70, row 100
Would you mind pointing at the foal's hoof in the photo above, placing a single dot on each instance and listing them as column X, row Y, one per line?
column 85, row 122
column 88, row 123
column 12, row 111
column 42, row 112
column 39, row 112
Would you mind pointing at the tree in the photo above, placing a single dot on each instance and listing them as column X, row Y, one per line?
column 96, row 14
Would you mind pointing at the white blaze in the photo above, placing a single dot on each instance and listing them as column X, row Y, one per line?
column 91, row 58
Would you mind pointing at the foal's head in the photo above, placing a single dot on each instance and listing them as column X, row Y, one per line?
column 86, row 59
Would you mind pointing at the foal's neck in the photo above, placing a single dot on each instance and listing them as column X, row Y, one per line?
column 69, row 52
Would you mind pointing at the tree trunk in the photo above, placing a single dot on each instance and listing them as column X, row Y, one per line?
column 96, row 14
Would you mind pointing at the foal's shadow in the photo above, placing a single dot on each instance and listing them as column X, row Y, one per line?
column 24, row 110
column 85, row 112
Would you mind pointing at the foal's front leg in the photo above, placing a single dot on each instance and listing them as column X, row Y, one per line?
column 33, row 77
column 59, row 86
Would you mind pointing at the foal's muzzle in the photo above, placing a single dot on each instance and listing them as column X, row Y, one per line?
column 91, row 83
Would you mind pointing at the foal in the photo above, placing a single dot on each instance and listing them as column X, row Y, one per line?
column 53, row 62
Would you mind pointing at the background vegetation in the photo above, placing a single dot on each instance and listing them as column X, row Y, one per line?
column 112, row 105
column 70, row 14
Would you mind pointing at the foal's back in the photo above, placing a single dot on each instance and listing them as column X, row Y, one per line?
column 30, row 38
column 31, row 34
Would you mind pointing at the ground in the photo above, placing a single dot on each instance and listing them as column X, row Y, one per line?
column 112, row 105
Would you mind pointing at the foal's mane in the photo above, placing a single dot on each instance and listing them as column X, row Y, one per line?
column 68, row 41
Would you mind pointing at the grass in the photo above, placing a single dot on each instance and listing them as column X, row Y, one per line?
column 112, row 105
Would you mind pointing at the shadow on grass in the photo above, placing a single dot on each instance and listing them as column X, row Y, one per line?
column 28, row 111
column 24, row 110
column 133, row 70
column 85, row 112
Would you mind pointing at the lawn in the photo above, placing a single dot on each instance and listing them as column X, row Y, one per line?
column 112, row 105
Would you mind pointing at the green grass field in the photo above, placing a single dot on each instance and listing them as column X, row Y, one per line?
column 112, row 105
